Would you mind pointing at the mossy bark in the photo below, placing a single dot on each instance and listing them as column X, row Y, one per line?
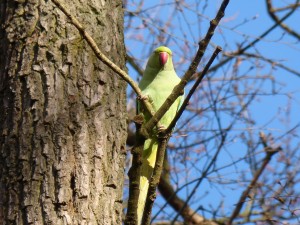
column 62, row 114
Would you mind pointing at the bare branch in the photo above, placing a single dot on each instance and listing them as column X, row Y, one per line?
column 151, row 195
column 193, row 89
column 134, row 176
column 291, row 6
column 242, row 50
column 269, row 154
column 277, row 20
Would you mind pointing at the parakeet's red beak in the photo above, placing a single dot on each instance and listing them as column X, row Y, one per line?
column 163, row 58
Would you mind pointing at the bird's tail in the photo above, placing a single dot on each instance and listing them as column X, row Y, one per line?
column 149, row 158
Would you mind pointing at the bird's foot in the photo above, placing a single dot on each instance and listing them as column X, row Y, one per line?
column 161, row 128
column 145, row 98
column 161, row 132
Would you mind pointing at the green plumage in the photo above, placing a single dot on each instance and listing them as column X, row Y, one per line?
column 157, row 83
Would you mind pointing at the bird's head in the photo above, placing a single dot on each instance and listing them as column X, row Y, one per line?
column 161, row 59
column 164, row 54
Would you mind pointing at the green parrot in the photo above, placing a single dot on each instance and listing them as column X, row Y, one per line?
column 157, row 83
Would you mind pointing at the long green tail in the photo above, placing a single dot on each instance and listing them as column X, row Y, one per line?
column 149, row 158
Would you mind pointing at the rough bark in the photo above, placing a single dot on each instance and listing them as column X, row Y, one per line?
column 62, row 114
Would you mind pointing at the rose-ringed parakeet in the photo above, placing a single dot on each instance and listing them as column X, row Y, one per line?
column 157, row 83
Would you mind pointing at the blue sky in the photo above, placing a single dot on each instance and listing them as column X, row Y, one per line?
column 244, row 21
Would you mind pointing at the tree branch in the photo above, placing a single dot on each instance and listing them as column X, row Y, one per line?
column 242, row 50
column 271, row 11
column 167, row 191
column 151, row 195
column 280, row 65
column 269, row 154
column 287, row 7
column 134, row 175
column 193, row 89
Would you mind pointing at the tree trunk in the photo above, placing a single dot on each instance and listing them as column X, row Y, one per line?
column 62, row 114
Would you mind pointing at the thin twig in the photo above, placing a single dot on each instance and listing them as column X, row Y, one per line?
column 285, row 27
column 295, row 5
column 269, row 153
column 242, row 50
column 193, row 89
column 203, row 175
column 280, row 65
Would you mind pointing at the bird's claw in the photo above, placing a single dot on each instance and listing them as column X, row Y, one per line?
column 161, row 128
column 143, row 97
